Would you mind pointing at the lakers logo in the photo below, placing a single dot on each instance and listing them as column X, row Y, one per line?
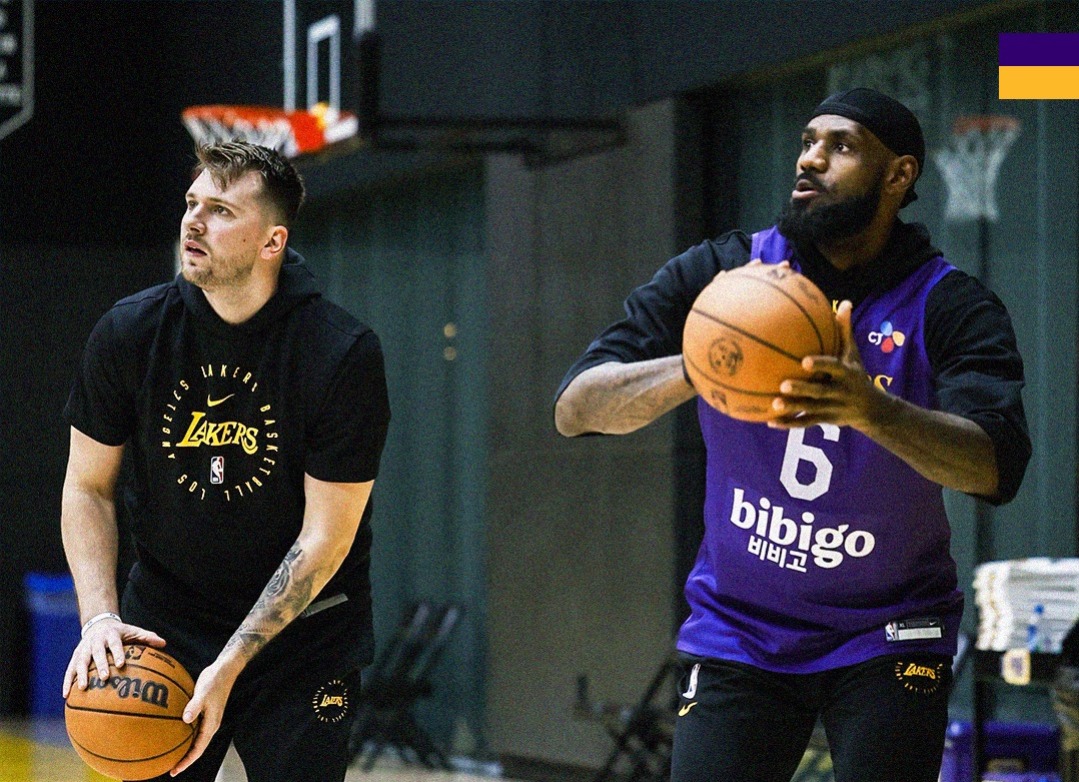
column 212, row 413
column 331, row 701
column 922, row 679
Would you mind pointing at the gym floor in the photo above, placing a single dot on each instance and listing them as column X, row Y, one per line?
column 40, row 752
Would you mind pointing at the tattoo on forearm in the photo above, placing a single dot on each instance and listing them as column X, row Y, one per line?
column 281, row 578
column 284, row 597
column 638, row 395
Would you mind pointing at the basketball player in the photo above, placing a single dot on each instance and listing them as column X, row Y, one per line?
column 254, row 413
column 824, row 586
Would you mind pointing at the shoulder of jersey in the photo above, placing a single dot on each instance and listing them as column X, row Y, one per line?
column 334, row 318
column 149, row 296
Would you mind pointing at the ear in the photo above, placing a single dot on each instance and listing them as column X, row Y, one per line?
column 275, row 243
column 902, row 173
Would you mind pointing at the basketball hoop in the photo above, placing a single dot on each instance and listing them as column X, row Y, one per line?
column 291, row 133
column 971, row 162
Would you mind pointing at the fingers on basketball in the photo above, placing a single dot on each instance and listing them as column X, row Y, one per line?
column 128, row 723
column 749, row 330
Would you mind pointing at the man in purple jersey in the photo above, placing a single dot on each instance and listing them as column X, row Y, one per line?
column 824, row 587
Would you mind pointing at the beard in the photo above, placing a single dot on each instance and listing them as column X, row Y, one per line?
column 829, row 223
column 218, row 272
column 214, row 277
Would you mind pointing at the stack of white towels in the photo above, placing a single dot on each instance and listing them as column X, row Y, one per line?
column 1007, row 594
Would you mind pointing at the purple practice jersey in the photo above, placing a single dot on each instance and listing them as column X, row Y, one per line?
column 821, row 548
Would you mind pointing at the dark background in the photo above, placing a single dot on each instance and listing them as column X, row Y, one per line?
column 91, row 188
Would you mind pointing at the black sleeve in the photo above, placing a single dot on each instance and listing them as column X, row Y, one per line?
column 978, row 372
column 346, row 441
column 102, row 402
column 656, row 312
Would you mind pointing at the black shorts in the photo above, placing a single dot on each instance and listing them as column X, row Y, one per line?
column 291, row 710
column 885, row 720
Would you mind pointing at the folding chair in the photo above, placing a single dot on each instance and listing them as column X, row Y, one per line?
column 398, row 678
column 643, row 733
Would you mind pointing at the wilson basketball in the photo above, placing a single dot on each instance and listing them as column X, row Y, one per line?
column 748, row 331
column 129, row 725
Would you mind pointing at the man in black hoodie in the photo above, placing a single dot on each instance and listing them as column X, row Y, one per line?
column 254, row 413
column 824, row 587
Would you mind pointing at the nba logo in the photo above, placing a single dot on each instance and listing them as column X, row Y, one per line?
column 217, row 469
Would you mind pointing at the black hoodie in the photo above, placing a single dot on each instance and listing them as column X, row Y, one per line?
column 977, row 369
column 222, row 422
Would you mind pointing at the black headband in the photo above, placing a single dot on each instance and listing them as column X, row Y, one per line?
column 886, row 118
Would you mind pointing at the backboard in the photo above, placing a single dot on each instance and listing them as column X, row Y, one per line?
column 316, row 55
column 16, row 64
column 316, row 78
column 333, row 64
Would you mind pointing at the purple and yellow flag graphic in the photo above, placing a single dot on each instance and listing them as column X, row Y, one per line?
column 1039, row 66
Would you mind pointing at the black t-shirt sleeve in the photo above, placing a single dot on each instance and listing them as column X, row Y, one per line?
column 102, row 404
column 656, row 312
column 346, row 440
column 978, row 372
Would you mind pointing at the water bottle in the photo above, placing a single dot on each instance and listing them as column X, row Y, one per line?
column 1036, row 640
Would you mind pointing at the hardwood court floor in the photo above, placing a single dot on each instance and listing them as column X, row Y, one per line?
column 40, row 752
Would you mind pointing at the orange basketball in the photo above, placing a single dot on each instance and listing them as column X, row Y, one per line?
column 748, row 331
column 129, row 725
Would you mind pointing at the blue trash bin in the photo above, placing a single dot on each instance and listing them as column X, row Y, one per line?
column 54, row 634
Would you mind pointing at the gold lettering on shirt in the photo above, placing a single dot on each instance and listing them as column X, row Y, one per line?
column 202, row 432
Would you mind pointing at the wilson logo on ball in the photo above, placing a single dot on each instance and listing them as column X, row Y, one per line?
column 154, row 693
column 133, row 652
column 131, row 726
column 887, row 339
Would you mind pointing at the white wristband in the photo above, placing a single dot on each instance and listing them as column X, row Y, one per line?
column 93, row 620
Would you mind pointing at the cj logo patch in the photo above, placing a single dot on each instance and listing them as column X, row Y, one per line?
column 331, row 701
column 888, row 339
column 922, row 679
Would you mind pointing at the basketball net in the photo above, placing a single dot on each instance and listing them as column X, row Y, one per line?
column 970, row 165
column 291, row 133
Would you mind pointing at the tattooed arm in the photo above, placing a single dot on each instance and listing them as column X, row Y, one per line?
column 331, row 518
column 616, row 398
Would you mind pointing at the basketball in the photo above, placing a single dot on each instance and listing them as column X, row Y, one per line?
column 748, row 331
column 129, row 725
